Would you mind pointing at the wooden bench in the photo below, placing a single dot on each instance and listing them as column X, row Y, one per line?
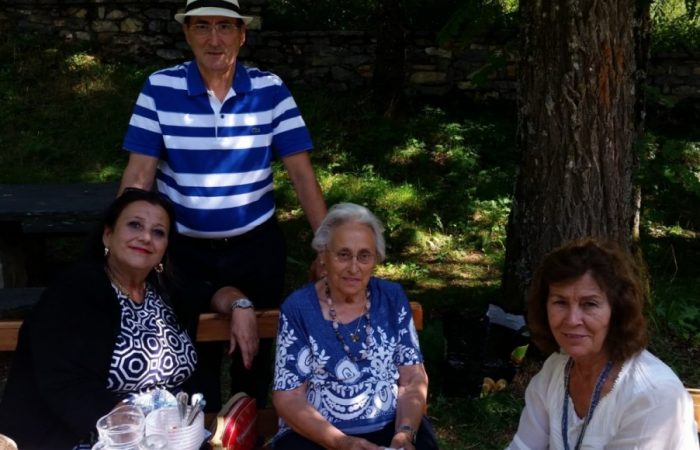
column 213, row 327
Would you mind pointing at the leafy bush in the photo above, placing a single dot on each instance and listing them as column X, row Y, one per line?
column 676, row 27
column 674, row 310
column 481, row 17
column 670, row 178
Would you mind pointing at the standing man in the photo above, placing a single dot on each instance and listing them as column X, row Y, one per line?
column 206, row 132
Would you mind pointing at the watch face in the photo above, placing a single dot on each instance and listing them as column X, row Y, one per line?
column 243, row 303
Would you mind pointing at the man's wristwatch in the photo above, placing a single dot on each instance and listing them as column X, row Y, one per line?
column 242, row 303
column 409, row 431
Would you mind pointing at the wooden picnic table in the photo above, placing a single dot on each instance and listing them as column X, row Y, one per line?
column 59, row 208
column 31, row 213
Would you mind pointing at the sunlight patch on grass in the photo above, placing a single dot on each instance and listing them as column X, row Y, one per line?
column 402, row 271
column 453, row 269
column 434, row 242
column 405, row 155
column 390, row 202
column 403, row 195
column 89, row 73
column 658, row 230
column 105, row 173
column 80, row 62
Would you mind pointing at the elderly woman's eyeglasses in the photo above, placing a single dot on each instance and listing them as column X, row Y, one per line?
column 362, row 257
column 222, row 28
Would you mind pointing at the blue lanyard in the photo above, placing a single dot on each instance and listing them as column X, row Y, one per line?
column 594, row 403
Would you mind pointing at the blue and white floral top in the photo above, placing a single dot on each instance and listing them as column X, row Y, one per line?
column 355, row 397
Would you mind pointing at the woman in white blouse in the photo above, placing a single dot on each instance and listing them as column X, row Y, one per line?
column 600, row 389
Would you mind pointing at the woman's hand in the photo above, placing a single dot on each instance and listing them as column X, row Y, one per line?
column 402, row 440
column 355, row 443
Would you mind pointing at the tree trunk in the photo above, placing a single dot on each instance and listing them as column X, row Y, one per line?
column 390, row 58
column 578, row 122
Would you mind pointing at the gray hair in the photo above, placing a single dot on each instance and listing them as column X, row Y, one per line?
column 343, row 213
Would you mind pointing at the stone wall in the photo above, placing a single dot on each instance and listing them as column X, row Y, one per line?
column 146, row 31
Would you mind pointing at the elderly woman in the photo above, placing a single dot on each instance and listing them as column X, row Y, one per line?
column 100, row 333
column 349, row 372
column 600, row 388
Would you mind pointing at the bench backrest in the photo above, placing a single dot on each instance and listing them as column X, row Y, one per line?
column 212, row 326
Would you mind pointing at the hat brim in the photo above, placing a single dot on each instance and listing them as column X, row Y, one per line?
column 209, row 11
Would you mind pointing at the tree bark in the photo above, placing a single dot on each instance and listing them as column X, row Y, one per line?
column 579, row 119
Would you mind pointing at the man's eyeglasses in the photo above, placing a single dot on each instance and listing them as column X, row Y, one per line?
column 222, row 28
column 363, row 257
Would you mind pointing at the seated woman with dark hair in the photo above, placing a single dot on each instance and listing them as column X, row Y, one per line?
column 101, row 332
column 600, row 388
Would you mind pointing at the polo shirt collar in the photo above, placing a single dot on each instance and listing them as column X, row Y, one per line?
column 195, row 83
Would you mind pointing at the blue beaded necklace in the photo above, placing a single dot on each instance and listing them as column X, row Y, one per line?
column 594, row 403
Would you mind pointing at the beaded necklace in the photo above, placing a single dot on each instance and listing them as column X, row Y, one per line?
column 594, row 403
column 354, row 335
column 355, row 338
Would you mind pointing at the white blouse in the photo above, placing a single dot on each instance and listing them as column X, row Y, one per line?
column 647, row 409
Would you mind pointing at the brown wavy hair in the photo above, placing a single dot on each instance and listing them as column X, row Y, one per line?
column 617, row 275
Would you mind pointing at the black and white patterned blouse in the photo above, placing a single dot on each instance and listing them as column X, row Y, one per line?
column 152, row 350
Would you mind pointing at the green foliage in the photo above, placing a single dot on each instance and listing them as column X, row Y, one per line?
column 678, row 312
column 670, row 176
column 484, row 424
column 479, row 17
column 676, row 26
column 672, row 253
column 489, row 224
column 692, row 7
column 64, row 112
column 411, row 170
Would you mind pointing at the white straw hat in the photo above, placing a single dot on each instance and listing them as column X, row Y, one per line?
column 224, row 8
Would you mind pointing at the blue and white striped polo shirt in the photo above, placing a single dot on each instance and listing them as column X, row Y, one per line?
column 216, row 165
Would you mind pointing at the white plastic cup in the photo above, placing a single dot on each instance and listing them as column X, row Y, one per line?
column 122, row 428
column 167, row 422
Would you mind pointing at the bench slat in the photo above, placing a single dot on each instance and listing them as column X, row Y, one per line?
column 216, row 327
column 212, row 327
column 9, row 329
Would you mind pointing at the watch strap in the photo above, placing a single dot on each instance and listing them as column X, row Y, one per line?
column 242, row 303
column 409, row 430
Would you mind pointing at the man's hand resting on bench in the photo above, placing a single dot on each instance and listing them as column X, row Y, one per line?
column 244, row 327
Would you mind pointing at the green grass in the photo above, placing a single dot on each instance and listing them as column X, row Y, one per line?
column 440, row 177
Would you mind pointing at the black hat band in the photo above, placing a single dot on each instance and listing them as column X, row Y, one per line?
column 213, row 4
